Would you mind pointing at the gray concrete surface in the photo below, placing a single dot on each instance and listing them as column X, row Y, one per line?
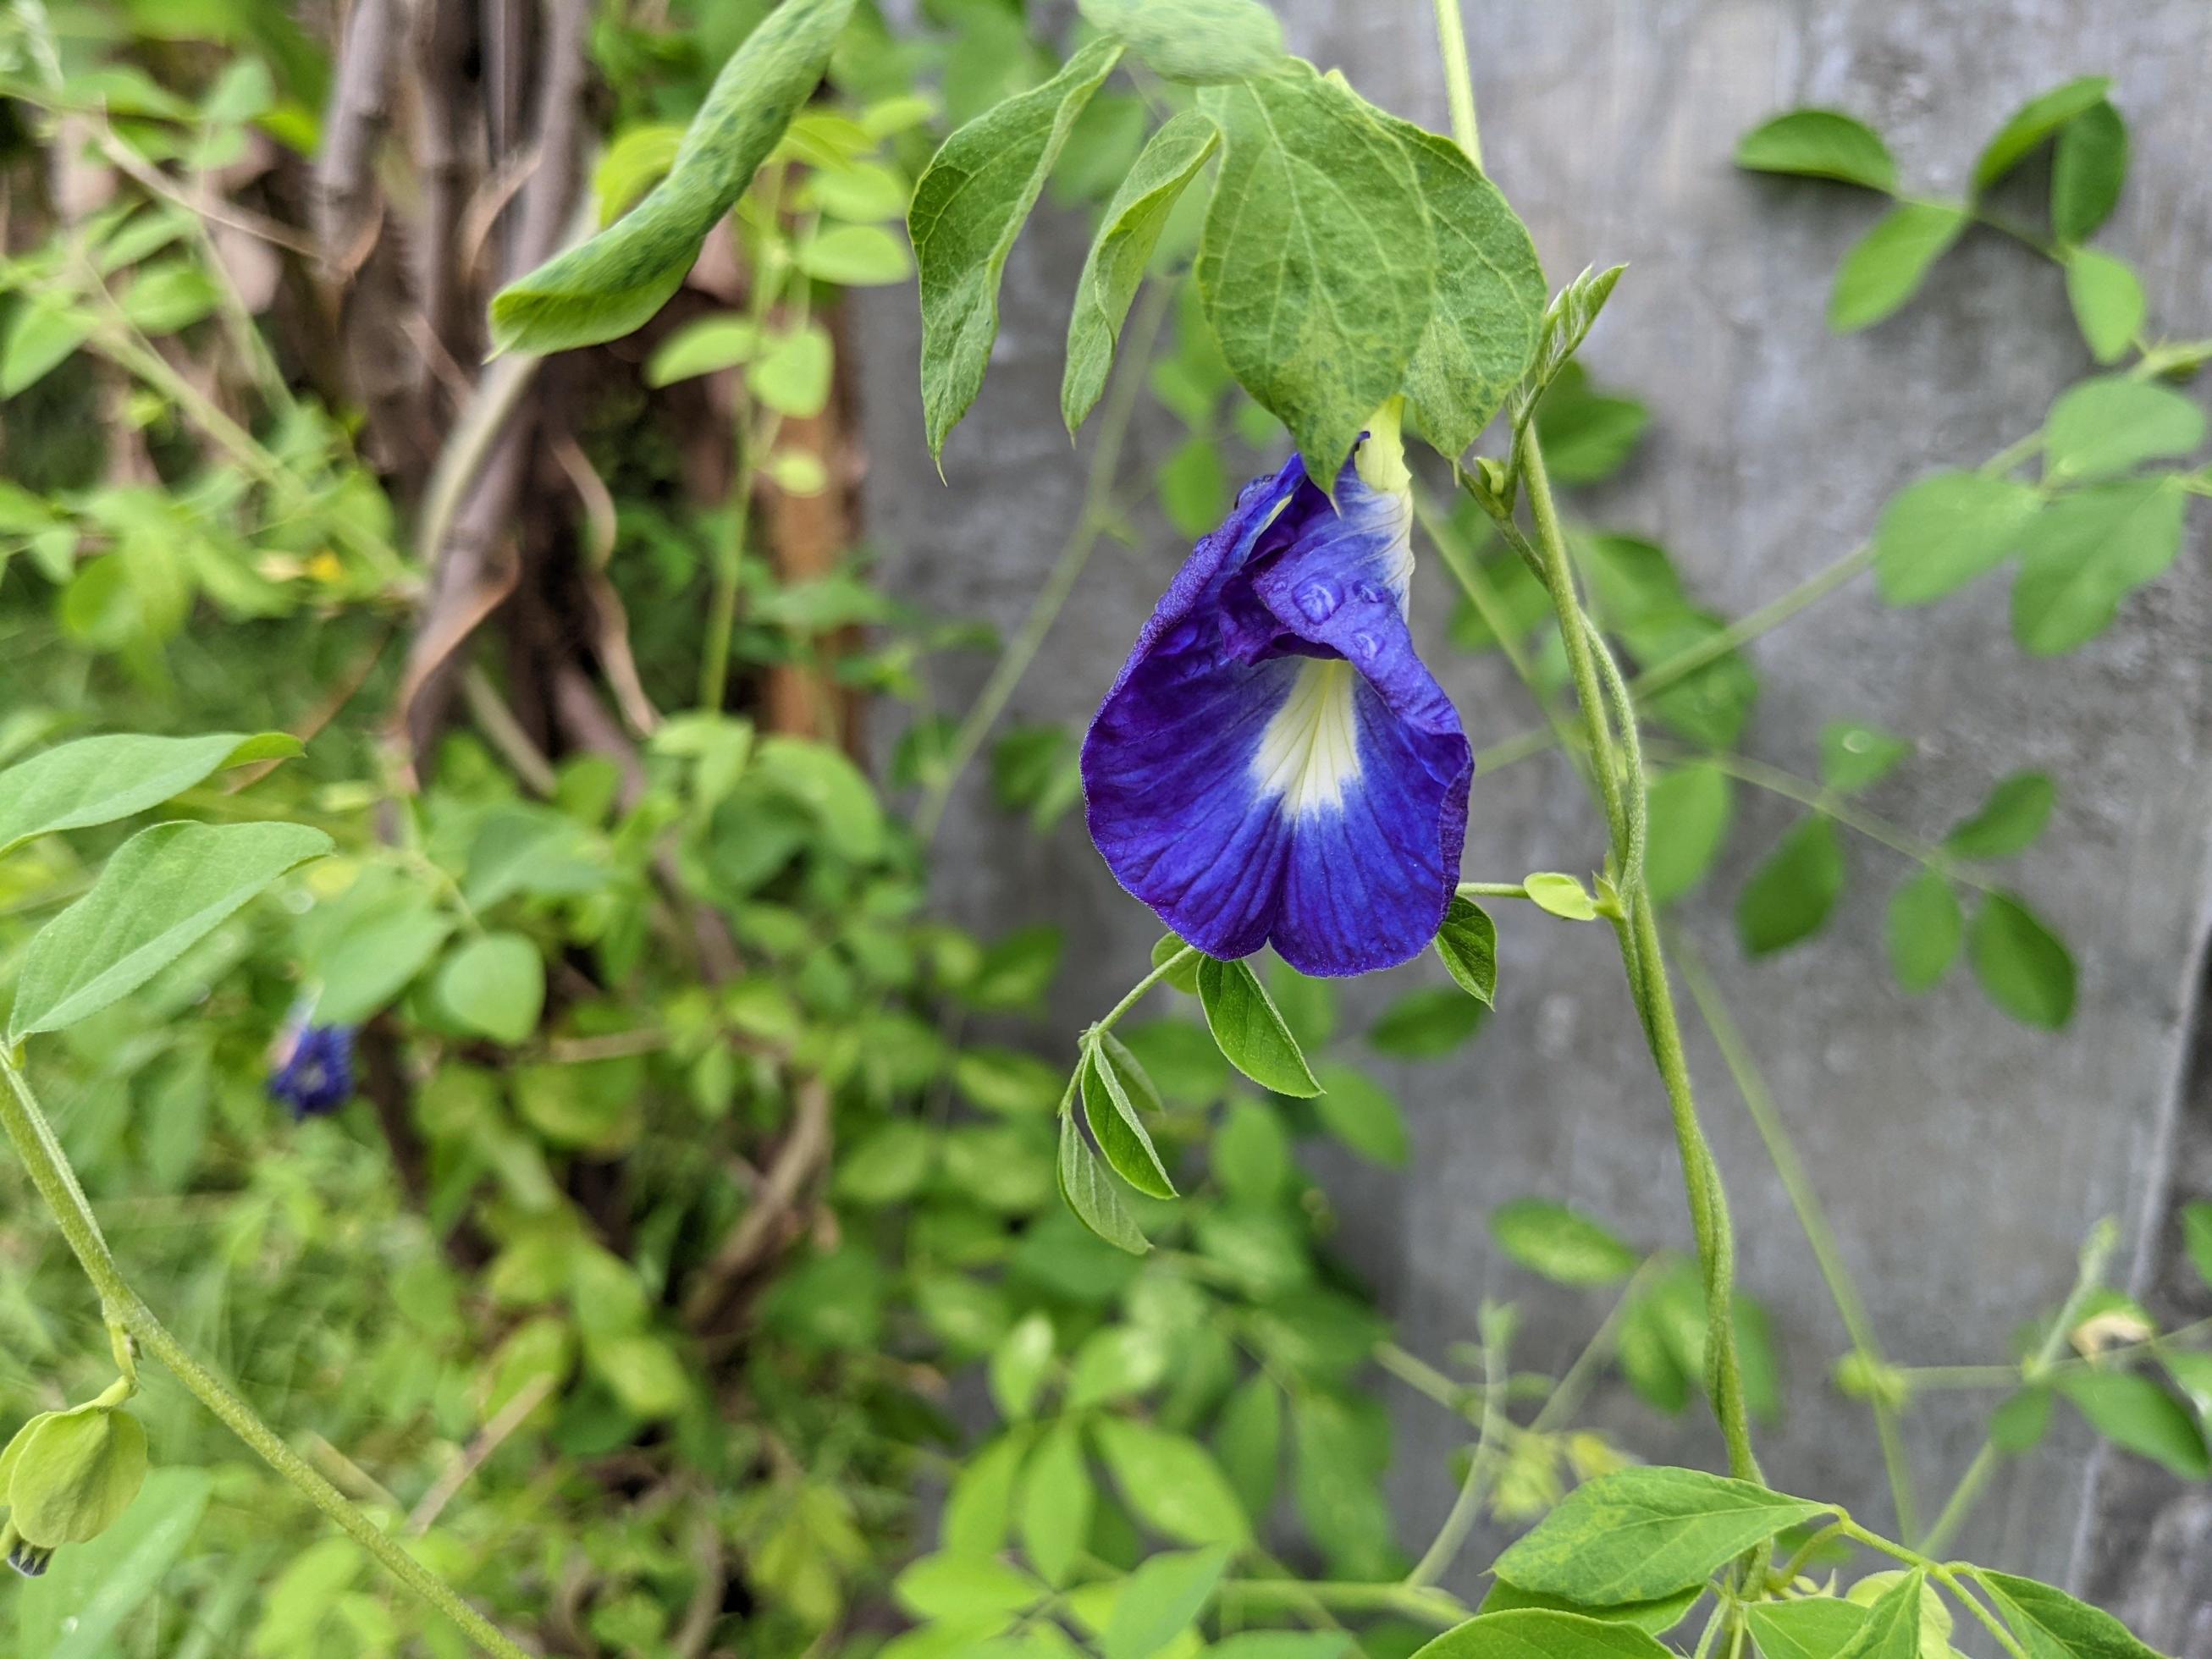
column 1964, row 1158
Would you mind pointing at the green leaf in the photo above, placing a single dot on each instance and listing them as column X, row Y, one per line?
column 1854, row 755
column 2107, row 299
column 1316, row 264
column 1886, row 265
column 2008, row 821
column 1172, row 1484
column 90, row 1588
column 1057, row 1497
column 968, row 207
column 1193, row 488
column 1426, row 1024
column 2024, row 968
column 1555, row 1242
column 1020, row 1363
column 792, row 376
column 1542, row 1633
column 1892, row 1627
column 702, row 347
column 1307, row 1005
column 166, row 888
column 2085, row 553
column 1248, row 1438
column 2133, row 1412
column 1107, row 1080
column 954, row 1586
column 979, row 1505
column 2103, row 427
column 1689, row 811
column 495, row 984
column 855, row 256
column 1089, row 1191
column 2196, row 1235
column 1789, row 896
column 1284, row 1644
column 2087, row 172
column 1128, row 233
column 619, row 278
column 1923, row 929
column 1184, row 977
column 1195, row 40
column 1561, row 895
column 1656, row 1617
column 1249, row 1029
column 2019, row 1424
column 2033, row 122
column 100, row 780
column 1642, row 1534
column 1816, row 1627
column 1588, row 435
column 1938, row 535
column 1362, row 1115
column 1468, row 942
column 1488, row 309
column 1820, row 143
column 1158, row 1601
column 45, row 330
column 2052, row 1625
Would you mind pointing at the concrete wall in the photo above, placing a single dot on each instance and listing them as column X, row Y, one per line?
column 1963, row 1156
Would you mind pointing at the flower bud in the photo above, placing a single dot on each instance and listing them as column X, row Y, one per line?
column 66, row 1476
column 29, row 1559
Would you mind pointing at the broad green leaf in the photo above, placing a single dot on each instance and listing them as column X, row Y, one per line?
column 2087, row 169
column 2023, row 967
column 1923, row 927
column 1489, row 299
column 1183, row 978
column 1789, row 896
column 2107, row 299
column 2133, row 1412
column 861, row 193
column 1249, row 1029
column 1128, row 233
column 2033, row 122
column 1119, row 1132
column 1588, row 434
column 1646, row 1533
column 1555, row 1242
column 1690, row 808
column 1251, row 1153
column 2100, row 427
column 100, row 780
column 1057, row 1499
column 1247, row 1439
column 637, row 159
column 2008, row 821
column 1938, row 535
column 1854, row 755
column 1426, row 1024
column 1892, row 1627
column 2052, row 1625
column 1115, row 1363
column 855, row 256
column 1159, row 1600
column 495, row 984
column 703, row 347
column 1019, row 1366
column 1820, row 143
column 1562, row 896
column 1307, row 1005
column 46, row 329
column 968, row 206
column 1088, row 1190
column 1542, row 1633
column 2196, row 1235
column 1468, row 942
column 1885, row 268
column 791, row 374
column 90, row 1588
column 619, row 278
column 365, row 960
column 1815, row 1627
column 1358, row 1112
column 1195, row 40
column 888, row 1166
column 1316, row 265
column 951, row 1585
column 1171, row 1483
column 1657, row 1616
column 164, row 891
column 1194, row 487
column 2020, row 1424
column 1284, row 1644
column 2085, row 553
column 979, row 1505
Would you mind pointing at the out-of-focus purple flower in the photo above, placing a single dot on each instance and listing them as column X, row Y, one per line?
column 311, row 1069
column 1275, row 764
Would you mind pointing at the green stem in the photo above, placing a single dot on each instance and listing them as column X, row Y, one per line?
column 1812, row 1218
column 34, row 1140
column 1091, row 522
column 1466, row 1508
column 1428, row 1605
column 1160, row 971
column 1459, row 87
column 1493, row 889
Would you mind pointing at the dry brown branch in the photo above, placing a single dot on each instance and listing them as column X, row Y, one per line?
column 770, row 1224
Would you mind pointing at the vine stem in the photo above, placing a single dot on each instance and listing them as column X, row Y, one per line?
column 1466, row 1508
column 1459, row 86
column 34, row 1140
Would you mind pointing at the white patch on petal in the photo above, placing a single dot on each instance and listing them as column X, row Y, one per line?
column 1310, row 749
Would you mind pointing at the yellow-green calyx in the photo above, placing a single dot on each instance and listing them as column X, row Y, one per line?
column 67, row 1475
column 1381, row 460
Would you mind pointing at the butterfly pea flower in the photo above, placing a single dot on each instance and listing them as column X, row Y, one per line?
column 1274, row 765
column 311, row 1069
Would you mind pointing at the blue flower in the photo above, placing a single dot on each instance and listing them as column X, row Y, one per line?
column 311, row 1068
column 1275, row 764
